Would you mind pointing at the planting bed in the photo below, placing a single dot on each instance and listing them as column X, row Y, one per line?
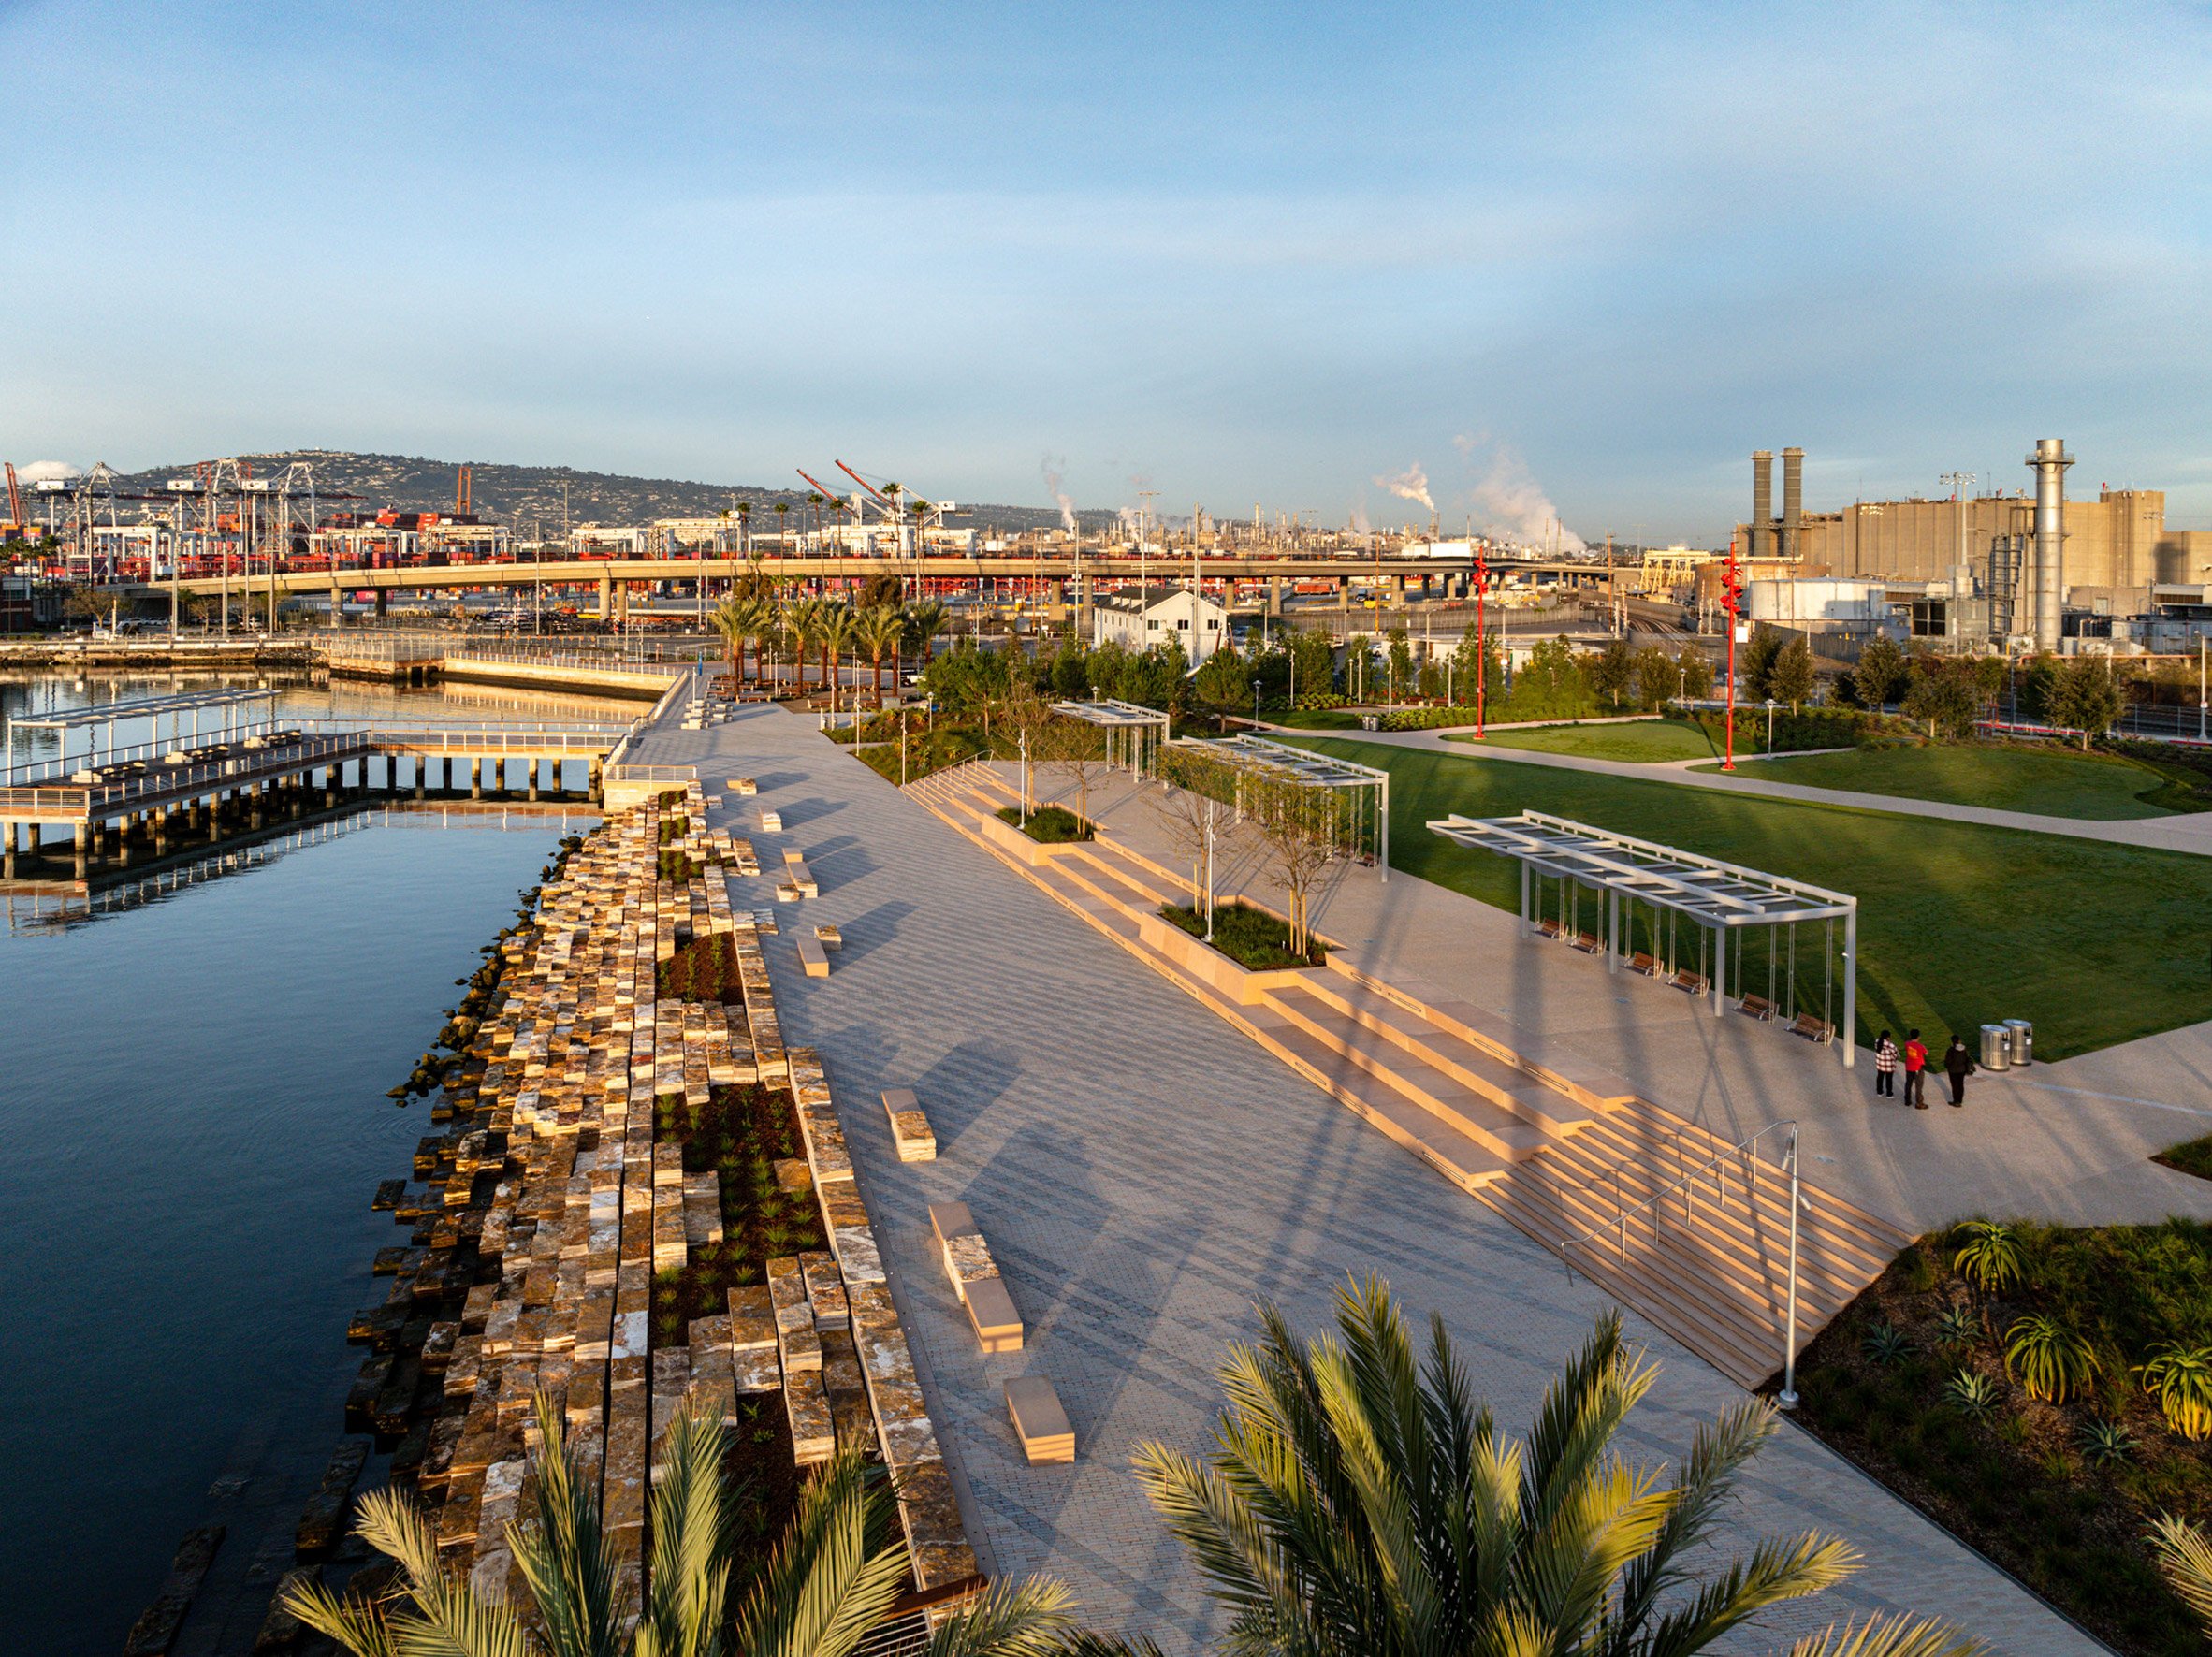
column 1047, row 825
column 1251, row 937
column 1914, row 1383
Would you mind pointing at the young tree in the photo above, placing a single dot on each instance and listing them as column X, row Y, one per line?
column 1791, row 678
column 1555, row 683
column 1299, row 830
column 877, row 635
column 1191, row 809
column 1313, row 661
column 1657, row 678
column 1398, row 666
column 1693, row 673
column 1882, row 675
column 1942, row 696
column 1755, row 663
column 1079, row 749
column 2085, row 696
column 1464, row 659
column 1611, row 673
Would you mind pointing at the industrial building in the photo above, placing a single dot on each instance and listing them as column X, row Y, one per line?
column 1996, row 566
column 1196, row 622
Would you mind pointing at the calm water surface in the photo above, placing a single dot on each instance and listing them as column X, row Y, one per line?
column 192, row 1102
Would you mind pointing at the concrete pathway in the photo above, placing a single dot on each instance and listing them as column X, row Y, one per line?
column 2067, row 1141
column 2188, row 832
column 1144, row 1173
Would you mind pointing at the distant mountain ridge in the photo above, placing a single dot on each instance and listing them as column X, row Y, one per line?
column 537, row 500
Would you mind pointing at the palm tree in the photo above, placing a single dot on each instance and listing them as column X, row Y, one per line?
column 782, row 546
column 924, row 622
column 733, row 620
column 835, row 633
column 1360, row 1501
column 802, row 619
column 832, row 1578
column 877, row 631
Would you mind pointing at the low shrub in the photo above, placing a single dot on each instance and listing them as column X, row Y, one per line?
column 1252, row 938
column 1427, row 718
column 1047, row 825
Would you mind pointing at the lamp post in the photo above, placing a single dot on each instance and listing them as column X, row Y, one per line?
column 1254, row 704
column 1769, row 724
column 1731, row 600
column 1481, row 640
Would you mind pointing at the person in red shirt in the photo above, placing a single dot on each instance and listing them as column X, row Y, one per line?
column 1915, row 1071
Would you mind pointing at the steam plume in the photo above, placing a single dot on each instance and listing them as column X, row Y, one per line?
column 1508, row 501
column 1410, row 485
column 1053, row 481
column 1359, row 525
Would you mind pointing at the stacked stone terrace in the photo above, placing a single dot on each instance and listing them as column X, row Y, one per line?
column 555, row 1114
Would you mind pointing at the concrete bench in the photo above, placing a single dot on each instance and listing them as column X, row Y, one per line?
column 991, row 1312
column 1647, row 965
column 786, row 893
column 830, row 936
column 793, row 854
column 813, row 957
column 1692, row 982
column 1039, row 1421
column 743, row 786
column 909, row 1129
column 772, row 822
column 975, row 1278
column 799, row 875
column 1812, row 1028
column 1757, row 1007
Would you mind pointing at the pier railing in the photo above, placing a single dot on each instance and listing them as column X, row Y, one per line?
column 230, row 770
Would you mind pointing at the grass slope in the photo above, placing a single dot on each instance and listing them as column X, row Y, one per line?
column 1957, row 924
column 2053, row 782
column 1646, row 741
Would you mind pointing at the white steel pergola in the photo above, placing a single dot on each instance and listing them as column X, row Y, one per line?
column 1367, row 787
column 1723, row 900
column 236, row 711
column 1127, row 725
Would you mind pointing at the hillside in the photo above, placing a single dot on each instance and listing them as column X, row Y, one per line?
column 538, row 500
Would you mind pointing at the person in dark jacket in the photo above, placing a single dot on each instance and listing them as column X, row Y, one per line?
column 1959, row 1065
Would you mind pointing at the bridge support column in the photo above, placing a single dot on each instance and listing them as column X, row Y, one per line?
column 533, row 777
column 383, row 602
column 77, row 839
column 1274, row 595
column 422, row 769
column 606, row 595
column 477, row 779
column 161, row 830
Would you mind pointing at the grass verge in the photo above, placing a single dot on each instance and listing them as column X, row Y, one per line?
column 1644, row 742
column 2192, row 1156
column 1251, row 937
column 2059, row 1492
column 1959, row 922
column 2050, row 780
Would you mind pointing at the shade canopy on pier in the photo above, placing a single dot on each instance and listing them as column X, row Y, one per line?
column 1725, row 901
column 241, row 710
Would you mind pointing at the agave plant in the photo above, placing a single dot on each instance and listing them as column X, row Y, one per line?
column 1885, row 1343
column 1971, row 1393
column 1360, row 1500
column 1989, row 1256
column 2185, row 1560
column 2180, row 1378
column 2106, row 1442
column 2048, row 1359
column 832, row 1579
column 1958, row 1327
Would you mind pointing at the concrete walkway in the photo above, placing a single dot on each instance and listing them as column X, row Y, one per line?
column 2067, row 1141
column 2188, row 832
column 1144, row 1173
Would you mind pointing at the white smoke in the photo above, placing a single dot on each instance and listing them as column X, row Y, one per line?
column 1053, row 480
column 1127, row 514
column 49, row 472
column 1360, row 524
column 1510, row 502
column 1410, row 485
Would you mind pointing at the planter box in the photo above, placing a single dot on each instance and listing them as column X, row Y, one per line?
column 1209, row 966
column 1017, row 845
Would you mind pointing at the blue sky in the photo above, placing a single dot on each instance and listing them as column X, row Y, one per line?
column 1584, row 255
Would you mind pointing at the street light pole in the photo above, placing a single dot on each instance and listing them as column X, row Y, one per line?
column 1482, row 639
column 1787, row 1398
column 1254, row 704
column 1731, row 591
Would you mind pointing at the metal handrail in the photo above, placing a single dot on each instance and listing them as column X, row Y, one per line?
column 1787, row 1398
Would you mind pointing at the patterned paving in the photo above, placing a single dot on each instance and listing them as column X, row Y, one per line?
column 1144, row 1174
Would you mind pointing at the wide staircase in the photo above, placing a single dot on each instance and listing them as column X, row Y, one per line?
column 1668, row 1217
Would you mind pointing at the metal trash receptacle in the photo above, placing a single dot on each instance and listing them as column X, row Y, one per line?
column 1997, row 1044
column 2023, row 1048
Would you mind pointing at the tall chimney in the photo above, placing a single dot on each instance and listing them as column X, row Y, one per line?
column 1793, row 502
column 2048, row 583
column 1762, row 513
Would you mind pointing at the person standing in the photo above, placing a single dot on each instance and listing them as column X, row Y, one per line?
column 1884, row 1067
column 1915, row 1071
column 1959, row 1065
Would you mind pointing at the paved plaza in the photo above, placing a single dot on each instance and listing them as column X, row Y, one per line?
column 1144, row 1174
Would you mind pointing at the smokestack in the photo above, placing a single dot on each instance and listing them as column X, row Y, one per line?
column 2048, row 583
column 1793, row 500
column 1762, row 517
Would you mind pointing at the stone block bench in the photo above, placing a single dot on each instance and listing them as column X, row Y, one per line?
column 909, row 1129
column 975, row 1278
column 772, row 822
column 1039, row 1421
column 813, row 957
column 829, row 937
column 743, row 786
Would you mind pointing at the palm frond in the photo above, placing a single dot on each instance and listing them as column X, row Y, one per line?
column 2184, row 1558
column 1030, row 1618
column 1899, row 1636
column 832, row 1579
column 1708, row 1478
column 357, row 1625
column 1774, row 1572
column 443, row 1618
column 563, row 1554
column 689, row 1583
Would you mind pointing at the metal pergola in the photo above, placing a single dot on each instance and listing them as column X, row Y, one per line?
column 1368, row 788
column 1127, row 725
column 1722, row 900
column 241, row 711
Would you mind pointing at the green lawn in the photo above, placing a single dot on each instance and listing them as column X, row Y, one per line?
column 1315, row 719
column 1957, row 924
column 1645, row 741
column 2052, row 781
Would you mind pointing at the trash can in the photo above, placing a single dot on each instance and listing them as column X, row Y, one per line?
column 1997, row 1044
column 1370, row 721
column 2023, row 1035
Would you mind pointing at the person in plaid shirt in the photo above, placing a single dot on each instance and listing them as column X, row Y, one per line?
column 1884, row 1067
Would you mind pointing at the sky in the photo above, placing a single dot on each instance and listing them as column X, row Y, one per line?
column 1557, row 261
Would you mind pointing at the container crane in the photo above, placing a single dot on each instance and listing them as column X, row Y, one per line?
column 14, row 528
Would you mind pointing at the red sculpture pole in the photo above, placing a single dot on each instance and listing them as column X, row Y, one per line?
column 1731, row 587
column 1481, row 640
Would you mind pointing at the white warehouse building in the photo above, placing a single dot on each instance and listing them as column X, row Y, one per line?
column 1190, row 619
